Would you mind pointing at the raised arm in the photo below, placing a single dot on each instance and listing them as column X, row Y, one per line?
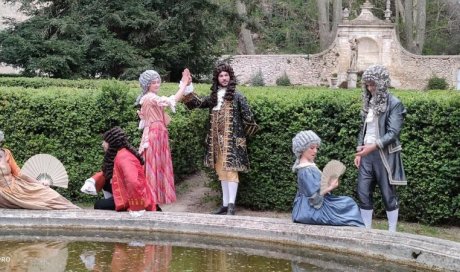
column 184, row 84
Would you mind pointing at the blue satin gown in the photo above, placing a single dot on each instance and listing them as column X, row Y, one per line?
column 311, row 208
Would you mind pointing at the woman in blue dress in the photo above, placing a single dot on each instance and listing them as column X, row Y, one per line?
column 311, row 207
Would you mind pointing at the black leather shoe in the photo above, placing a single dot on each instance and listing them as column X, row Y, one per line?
column 221, row 210
column 159, row 209
column 231, row 209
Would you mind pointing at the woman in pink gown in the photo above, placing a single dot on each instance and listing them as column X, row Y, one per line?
column 154, row 145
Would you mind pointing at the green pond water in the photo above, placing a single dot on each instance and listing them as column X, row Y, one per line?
column 41, row 250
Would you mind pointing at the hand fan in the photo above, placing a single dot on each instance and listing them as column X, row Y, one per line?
column 46, row 167
column 333, row 169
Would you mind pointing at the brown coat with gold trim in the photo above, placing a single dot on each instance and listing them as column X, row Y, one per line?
column 236, row 114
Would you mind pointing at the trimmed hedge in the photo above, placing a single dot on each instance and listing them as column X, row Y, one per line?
column 43, row 82
column 430, row 142
column 67, row 123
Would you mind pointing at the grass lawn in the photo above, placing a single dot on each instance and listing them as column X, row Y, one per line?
column 442, row 232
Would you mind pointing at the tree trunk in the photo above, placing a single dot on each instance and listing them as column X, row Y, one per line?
column 414, row 25
column 399, row 8
column 399, row 12
column 336, row 18
column 267, row 7
column 328, row 29
column 245, row 42
column 421, row 26
column 408, row 25
column 323, row 23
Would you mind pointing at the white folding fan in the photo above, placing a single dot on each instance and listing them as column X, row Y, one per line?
column 333, row 169
column 46, row 167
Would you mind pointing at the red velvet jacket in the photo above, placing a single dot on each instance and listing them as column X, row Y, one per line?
column 129, row 186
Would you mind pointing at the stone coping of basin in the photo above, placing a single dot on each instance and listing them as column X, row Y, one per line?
column 399, row 247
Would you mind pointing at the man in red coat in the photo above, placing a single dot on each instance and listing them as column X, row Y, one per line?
column 122, row 166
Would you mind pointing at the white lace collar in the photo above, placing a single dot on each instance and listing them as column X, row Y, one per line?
column 220, row 98
column 306, row 164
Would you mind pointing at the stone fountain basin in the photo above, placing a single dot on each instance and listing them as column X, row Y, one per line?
column 408, row 249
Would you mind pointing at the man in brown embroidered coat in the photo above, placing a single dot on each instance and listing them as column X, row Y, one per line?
column 230, row 122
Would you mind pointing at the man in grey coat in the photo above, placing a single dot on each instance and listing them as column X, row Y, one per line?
column 378, row 156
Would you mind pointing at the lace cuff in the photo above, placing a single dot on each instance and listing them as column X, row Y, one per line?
column 188, row 89
column 172, row 103
column 316, row 200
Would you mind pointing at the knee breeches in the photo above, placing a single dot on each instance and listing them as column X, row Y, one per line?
column 372, row 172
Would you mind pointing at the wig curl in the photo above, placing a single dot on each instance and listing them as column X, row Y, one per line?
column 381, row 77
column 117, row 139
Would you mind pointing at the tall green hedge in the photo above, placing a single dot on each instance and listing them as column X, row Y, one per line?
column 68, row 122
column 43, row 82
column 430, row 140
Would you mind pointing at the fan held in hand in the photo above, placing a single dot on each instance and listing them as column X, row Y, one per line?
column 44, row 167
column 333, row 170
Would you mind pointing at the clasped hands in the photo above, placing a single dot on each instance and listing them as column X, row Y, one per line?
column 186, row 77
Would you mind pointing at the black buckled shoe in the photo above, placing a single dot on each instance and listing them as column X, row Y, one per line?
column 231, row 209
column 158, row 208
column 221, row 210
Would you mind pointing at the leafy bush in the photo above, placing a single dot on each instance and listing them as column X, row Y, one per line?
column 430, row 148
column 258, row 79
column 437, row 83
column 283, row 80
column 11, row 75
column 68, row 123
column 37, row 82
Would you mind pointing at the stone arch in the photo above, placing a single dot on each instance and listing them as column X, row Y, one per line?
column 369, row 48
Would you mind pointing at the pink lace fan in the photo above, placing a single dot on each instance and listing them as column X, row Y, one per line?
column 333, row 169
column 46, row 167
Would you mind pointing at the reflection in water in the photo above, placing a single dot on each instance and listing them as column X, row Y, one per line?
column 129, row 257
column 33, row 256
column 165, row 256
column 213, row 260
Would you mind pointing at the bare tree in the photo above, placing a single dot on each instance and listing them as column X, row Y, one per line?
column 328, row 28
column 245, row 42
column 413, row 17
column 443, row 27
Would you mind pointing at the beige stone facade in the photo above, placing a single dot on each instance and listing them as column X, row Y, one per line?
column 377, row 43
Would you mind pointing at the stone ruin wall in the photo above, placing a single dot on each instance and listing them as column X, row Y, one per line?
column 414, row 71
column 311, row 70
column 377, row 43
column 407, row 71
